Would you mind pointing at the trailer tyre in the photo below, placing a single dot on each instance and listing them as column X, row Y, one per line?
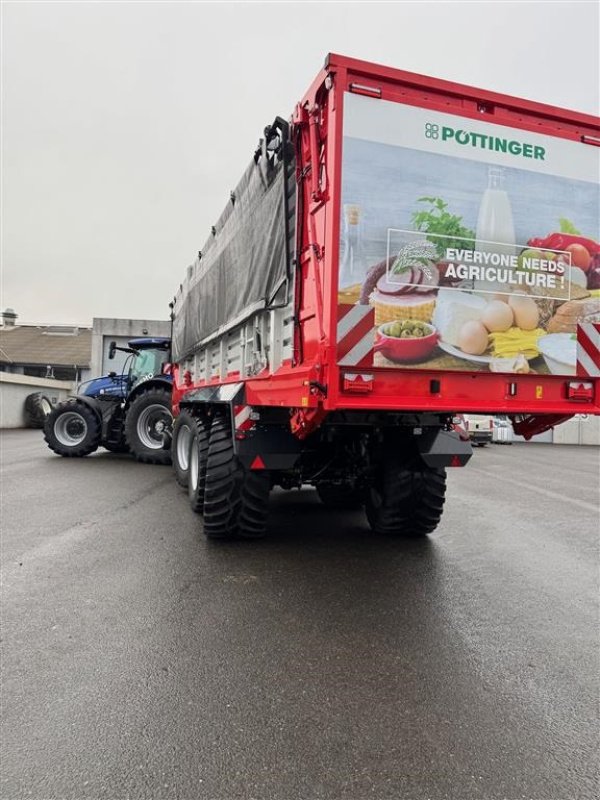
column 147, row 417
column 196, row 459
column 73, row 430
column 338, row 496
column 183, row 429
column 37, row 408
column 235, row 499
column 407, row 499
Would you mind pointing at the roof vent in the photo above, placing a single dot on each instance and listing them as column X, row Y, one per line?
column 9, row 317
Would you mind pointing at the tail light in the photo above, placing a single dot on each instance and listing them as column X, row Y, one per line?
column 580, row 390
column 491, row 424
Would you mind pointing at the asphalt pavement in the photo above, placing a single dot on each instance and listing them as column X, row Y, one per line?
column 141, row 661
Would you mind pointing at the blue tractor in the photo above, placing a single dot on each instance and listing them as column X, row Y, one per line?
column 123, row 413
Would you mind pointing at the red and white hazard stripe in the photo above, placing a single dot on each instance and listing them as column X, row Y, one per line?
column 242, row 421
column 355, row 335
column 588, row 349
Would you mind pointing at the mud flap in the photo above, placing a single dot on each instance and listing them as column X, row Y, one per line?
column 439, row 448
column 270, row 447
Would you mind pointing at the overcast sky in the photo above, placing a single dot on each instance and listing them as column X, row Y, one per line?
column 125, row 125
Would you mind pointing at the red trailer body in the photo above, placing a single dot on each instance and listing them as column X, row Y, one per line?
column 339, row 368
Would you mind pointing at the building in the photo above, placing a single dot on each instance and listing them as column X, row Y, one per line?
column 44, row 351
column 106, row 330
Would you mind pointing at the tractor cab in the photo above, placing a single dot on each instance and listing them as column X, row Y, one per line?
column 149, row 357
column 146, row 358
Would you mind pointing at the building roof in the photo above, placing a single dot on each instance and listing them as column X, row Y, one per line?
column 58, row 345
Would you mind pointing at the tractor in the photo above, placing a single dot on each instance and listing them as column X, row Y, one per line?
column 126, row 413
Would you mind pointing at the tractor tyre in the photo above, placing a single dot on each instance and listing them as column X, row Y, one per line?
column 235, row 499
column 339, row 496
column 196, row 459
column 73, row 430
column 183, row 429
column 148, row 416
column 407, row 499
column 37, row 408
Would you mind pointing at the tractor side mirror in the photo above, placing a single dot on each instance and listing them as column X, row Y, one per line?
column 112, row 349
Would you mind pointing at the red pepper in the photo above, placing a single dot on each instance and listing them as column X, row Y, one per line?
column 560, row 241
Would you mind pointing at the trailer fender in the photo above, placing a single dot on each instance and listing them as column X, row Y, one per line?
column 440, row 448
column 257, row 446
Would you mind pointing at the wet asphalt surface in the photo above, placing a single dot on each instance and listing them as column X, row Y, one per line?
column 140, row 661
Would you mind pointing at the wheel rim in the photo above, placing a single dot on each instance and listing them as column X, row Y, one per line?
column 70, row 429
column 183, row 447
column 151, row 424
column 194, row 462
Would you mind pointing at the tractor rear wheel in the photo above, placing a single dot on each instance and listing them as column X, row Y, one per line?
column 73, row 430
column 148, row 416
column 37, row 409
column 235, row 499
column 407, row 499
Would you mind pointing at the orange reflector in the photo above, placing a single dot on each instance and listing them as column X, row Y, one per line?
column 258, row 463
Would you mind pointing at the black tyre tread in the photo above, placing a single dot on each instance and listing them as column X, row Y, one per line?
column 199, row 440
column 141, row 453
column 338, row 496
column 236, row 500
column 184, row 418
column 411, row 500
column 252, row 521
column 89, row 445
column 35, row 416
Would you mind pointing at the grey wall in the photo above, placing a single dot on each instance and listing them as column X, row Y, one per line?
column 106, row 329
column 15, row 388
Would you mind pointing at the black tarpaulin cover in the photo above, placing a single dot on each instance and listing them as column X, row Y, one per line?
column 242, row 264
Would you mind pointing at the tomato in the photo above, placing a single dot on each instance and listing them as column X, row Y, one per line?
column 580, row 256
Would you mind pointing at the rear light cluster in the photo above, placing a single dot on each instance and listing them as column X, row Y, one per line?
column 580, row 390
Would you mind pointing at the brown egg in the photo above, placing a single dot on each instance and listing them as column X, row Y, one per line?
column 497, row 316
column 527, row 314
column 473, row 338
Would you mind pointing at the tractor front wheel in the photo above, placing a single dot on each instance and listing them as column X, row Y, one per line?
column 73, row 430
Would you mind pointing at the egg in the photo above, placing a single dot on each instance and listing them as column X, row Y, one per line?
column 473, row 338
column 497, row 316
column 527, row 314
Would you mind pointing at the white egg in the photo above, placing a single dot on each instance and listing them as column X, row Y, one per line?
column 527, row 314
column 497, row 316
column 473, row 338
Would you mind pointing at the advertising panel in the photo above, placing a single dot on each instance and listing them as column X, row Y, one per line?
column 466, row 245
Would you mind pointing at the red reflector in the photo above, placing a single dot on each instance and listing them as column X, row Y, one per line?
column 455, row 461
column 357, row 382
column 258, row 463
column 580, row 390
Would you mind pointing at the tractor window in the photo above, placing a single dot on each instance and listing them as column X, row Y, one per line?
column 146, row 364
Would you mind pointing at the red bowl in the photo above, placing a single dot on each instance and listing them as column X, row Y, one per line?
column 403, row 351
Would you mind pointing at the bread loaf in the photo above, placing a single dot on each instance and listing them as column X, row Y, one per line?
column 568, row 315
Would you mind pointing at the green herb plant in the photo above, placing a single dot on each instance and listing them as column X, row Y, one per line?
column 566, row 226
column 448, row 228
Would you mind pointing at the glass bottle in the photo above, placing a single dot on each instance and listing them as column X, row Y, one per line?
column 495, row 226
column 353, row 264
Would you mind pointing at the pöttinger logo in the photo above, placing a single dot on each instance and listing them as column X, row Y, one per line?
column 432, row 131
